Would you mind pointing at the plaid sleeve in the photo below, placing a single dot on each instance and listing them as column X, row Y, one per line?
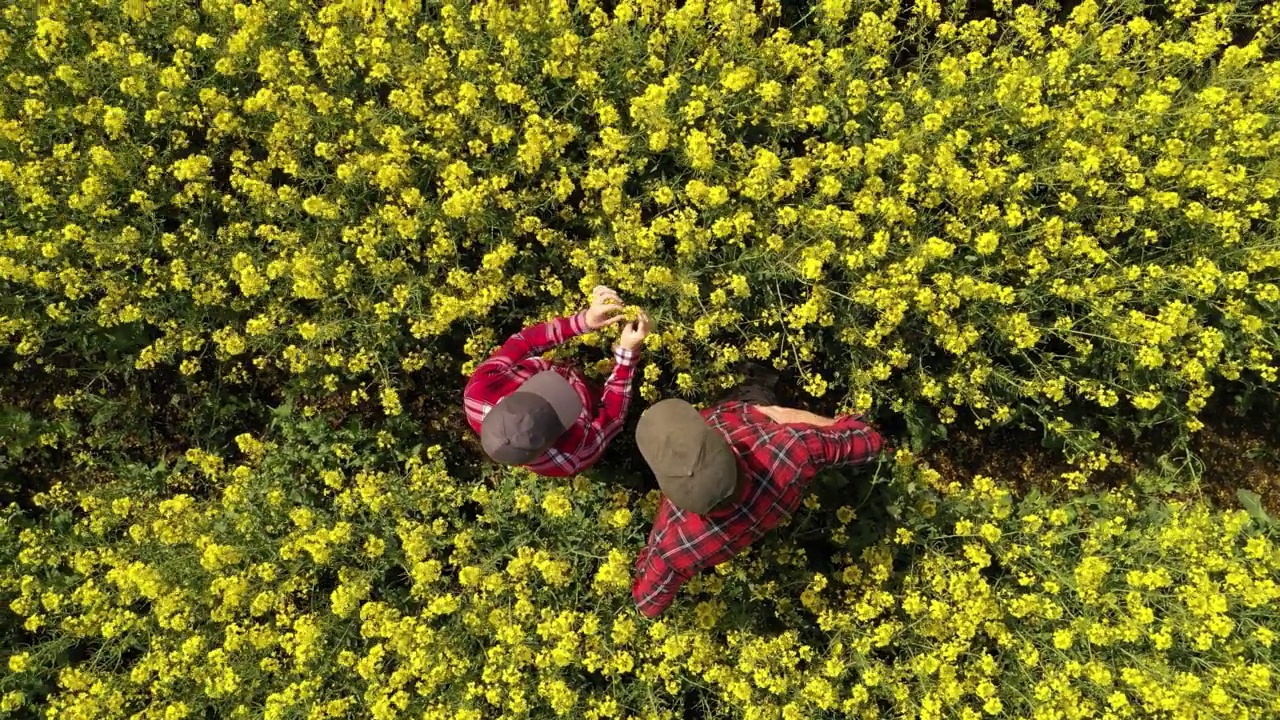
column 534, row 340
column 656, row 583
column 614, row 402
column 850, row 441
column 607, row 421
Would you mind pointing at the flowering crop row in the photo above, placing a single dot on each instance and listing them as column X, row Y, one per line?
column 209, row 210
column 315, row 573
column 998, row 218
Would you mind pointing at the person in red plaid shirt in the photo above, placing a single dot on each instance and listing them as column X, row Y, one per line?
column 546, row 416
column 729, row 474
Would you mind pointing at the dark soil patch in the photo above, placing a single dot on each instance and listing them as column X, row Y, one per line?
column 1010, row 456
column 1235, row 451
column 1241, row 457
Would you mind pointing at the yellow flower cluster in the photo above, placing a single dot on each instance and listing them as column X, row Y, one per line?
column 997, row 218
column 249, row 250
column 307, row 585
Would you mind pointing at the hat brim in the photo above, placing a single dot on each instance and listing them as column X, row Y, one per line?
column 520, row 428
column 559, row 394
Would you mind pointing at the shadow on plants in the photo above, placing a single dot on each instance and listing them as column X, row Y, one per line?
column 869, row 498
column 699, row 704
column 393, row 585
column 19, row 485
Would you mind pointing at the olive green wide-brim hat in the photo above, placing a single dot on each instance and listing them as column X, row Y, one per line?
column 694, row 465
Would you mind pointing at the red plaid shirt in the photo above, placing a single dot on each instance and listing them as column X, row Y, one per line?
column 778, row 460
column 517, row 360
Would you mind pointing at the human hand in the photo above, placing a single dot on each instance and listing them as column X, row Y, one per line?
column 606, row 308
column 634, row 333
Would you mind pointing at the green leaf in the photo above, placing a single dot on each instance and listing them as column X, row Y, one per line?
column 923, row 428
column 1253, row 505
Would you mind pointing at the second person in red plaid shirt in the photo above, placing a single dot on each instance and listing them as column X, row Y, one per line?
column 729, row 474
column 545, row 416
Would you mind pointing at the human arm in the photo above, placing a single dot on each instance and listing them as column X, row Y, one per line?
column 789, row 416
column 833, row 442
column 609, row 415
column 659, row 573
column 533, row 340
column 605, row 309
column 499, row 374
column 656, row 583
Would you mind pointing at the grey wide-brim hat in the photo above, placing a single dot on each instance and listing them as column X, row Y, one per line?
column 695, row 466
column 524, row 424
